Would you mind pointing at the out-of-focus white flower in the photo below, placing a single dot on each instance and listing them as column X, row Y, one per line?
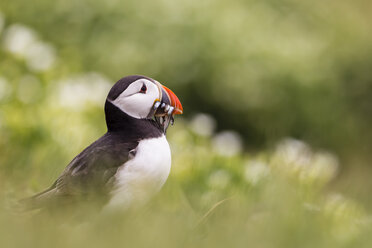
column 219, row 179
column 29, row 89
column 294, row 152
column 5, row 89
column 255, row 171
column 18, row 38
column 2, row 22
column 227, row 143
column 324, row 166
column 203, row 124
column 296, row 157
column 40, row 56
column 23, row 41
column 76, row 92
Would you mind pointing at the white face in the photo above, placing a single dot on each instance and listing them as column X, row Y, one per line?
column 138, row 99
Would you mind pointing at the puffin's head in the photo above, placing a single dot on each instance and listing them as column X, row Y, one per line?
column 145, row 98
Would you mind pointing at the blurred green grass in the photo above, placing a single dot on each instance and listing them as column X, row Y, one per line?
column 271, row 199
column 268, row 70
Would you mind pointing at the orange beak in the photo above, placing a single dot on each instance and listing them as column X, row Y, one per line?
column 174, row 101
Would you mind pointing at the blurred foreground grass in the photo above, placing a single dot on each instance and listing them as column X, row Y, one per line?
column 275, row 198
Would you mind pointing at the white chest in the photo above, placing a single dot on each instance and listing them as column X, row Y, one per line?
column 143, row 175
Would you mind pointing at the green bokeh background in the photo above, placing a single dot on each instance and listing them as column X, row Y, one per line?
column 291, row 79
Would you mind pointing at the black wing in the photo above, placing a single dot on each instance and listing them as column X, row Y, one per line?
column 91, row 172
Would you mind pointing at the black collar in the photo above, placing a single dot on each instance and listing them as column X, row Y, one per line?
column 132, row 128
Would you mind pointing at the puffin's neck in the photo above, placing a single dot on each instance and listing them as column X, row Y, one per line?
column 118, row 121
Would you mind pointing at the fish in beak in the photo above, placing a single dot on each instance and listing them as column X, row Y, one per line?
column 168, row 106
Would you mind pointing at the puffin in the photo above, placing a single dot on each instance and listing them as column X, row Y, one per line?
column 131, row 161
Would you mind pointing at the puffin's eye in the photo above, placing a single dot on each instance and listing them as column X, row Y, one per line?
column 143, row 88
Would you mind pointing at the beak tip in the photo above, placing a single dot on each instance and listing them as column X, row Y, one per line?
column 178, row 112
